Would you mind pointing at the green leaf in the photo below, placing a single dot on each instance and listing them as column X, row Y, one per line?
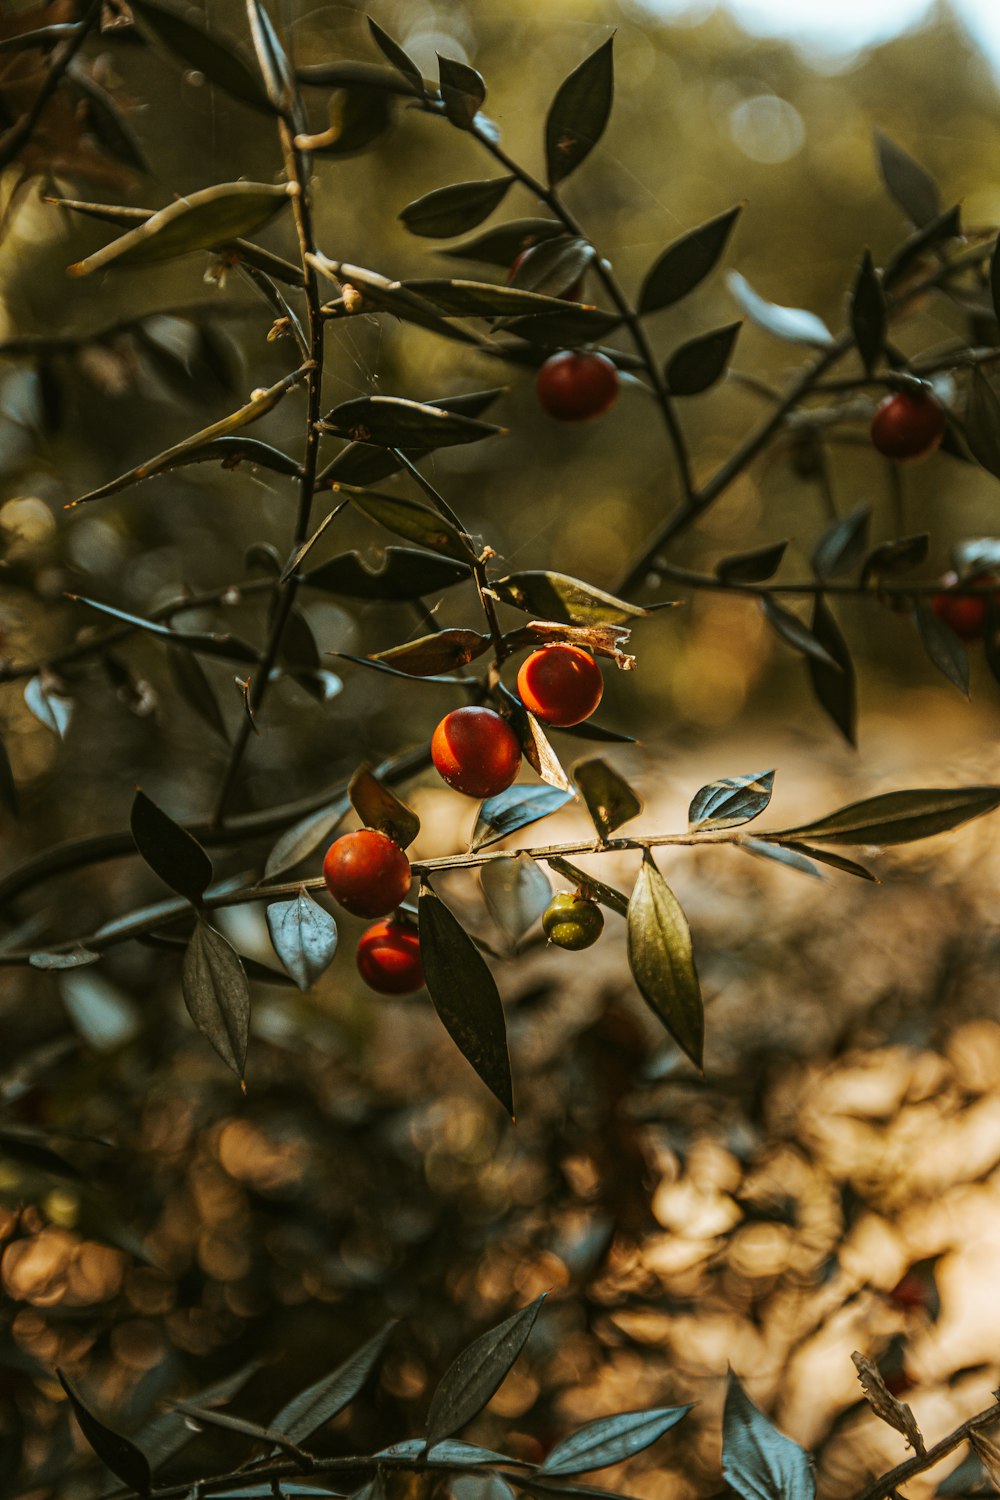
column 947, row 226
column 731, row 801
column 752, row 567
column 313, row 1408
column 229, row 451
column 463, row 91
column 899, row 817
column 392, row 422
column 456, row 209
column 757, row 1460
column 230, row 647
column 568, row 601
column 868, row 313
column 395, row 54
column 127, row 1462
column 413, row 521
column 611, row 1440
column 836, row 861
column 384, row 666
column 912, row 186
column 442, row 651
column 484, row 299
column 477, row 1374
column 555, row 266
column 579, row 113
column 403, row 574
column 699, row 363
column 381, row 809
column 169, row 850
column 359, row 463
column 662, row 962
column 944, row 648
column 517, row 891
column 686, row 263
column 279, row 80
column 982, row 423
column 304, row 937
column 501, row 245
column 347, row 75
column 202, row 221
column 465, row 997
column 299, row 841
column 899, row 556
column 595, row 889
column 795, row 632
column 217, row 995
column 610, row 800
column 219, row 60
column 835, row 687
column 513, row 809
column 794, row 324
column 567, row 329
column 48, row 707
column 843, row 545
column 194, row 687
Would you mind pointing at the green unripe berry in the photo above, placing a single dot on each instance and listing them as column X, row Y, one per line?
column 571, row 921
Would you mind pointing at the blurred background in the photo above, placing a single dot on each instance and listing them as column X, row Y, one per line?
column 832, row 1183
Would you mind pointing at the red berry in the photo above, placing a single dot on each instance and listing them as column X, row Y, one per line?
column 389, row 958
column 908, row 424
column 367, row 873
column 965, row 614
column 569, row 293
column 561, row 685
column 476, row 751
column 573, row 387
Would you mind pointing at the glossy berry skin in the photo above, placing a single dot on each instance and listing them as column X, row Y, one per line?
column 388, row 958
column 571, row 293
column 560, row 685
column 476, row 751
column 908, row 424
column 367, row 873
column 571, row 921
column 965, row 615
column 575, row 387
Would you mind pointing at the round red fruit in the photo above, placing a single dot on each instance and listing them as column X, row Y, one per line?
column 908, row 424
column 476, row 751
column 574, row 387
column 389, row 958
column 965, row 614
column 560, row 685
column 367, row 873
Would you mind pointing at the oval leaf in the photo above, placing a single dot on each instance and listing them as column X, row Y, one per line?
column 501, row 245
column 441, row 652
column 729, row 802
column 752, row 567
column 304, row 937
column 219, row 60
column 477, row 1374
column 465, row 997
column 127, row 1462
column 611, row 1440
column 392, row 422
column 415, row 522
column 402, row 574
column 555, row 596
column 757, row 1460
column 359, row 463
column 912, row 186
column 795, row 632
column 944, row 648
column 513, row 809
column 868, row 314
column 516, row 892
column 843, row 545
column 381, row 809
column 794, row 324
column 900, row 817
column 455, row 209
column 579, row 113
column 698, row 364
column 609, row 798
column 217, row 995
column 311, row 1409
column 686, row 263
column 169, row 850
column 299, row 841
column 463, row 91
column 662, row 962
column 835, row 687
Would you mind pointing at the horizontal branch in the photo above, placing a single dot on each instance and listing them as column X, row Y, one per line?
column 881, row 1488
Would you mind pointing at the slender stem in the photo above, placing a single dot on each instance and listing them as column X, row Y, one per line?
column 881, row 1488
column 923, row 587
column 21, row 131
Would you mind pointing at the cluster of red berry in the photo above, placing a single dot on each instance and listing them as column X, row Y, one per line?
column 476, row 752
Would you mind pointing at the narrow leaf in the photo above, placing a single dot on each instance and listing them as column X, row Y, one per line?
column 8, row 786
column 299, row 841
column 912, row 186
column 304, row 937
column 579, row 113
column 611, row 1440
column 729, row 802
column 899, row 817
column 944, row 648
column 359, row 463
column 170, row 851
column 982, row 423
column 795, row 632
column 757, row 1460
column 516, row 893
column 403, row 574
column 752, row 567
column 456, row 209
column 835, row 687
column 217, row 995
column 513, row 809
column 555, row 596
column 463, row 91
column 208, row 643
column 843, row 545
column 395, row 54
column 699, row 363
column 610, row 800
column 307, row 1412
column 279, row 80
column 503, row 243
column 127, row 1462
column 595, row 889
column 662, row 962
column 194, row 687
column 868, row 314
column 791, row 855
column 219, row 60
column 443, row 651
column 477, row 1374
column 794, row 324
column 686, row 263
column 413, row 521
column 392, row 422
column 381, row 809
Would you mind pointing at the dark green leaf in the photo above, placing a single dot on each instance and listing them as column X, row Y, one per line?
column 944, row 648
column 384, row 666
column 895, row 557
column 127, row 1462
column 465, row 997
column 451, row 1451
column 304, row 937
column 555, row 266
column 8, row 786
column 478, row 1372
column 463, row 91
column 442, row 651
column 836, row 861
column 48, row 707
column 320, row 1403
column 229, row 451
column 595, row 889
column 795, row 632
column 106, row 120
column 843, row 545
column 868, row 314
column 982, row 423
column 29, row 1148
column 359, row 463
column 611, row 1440
column 662, row 962
column 209, row 644
column 686, row 263
column 517, row 891
column 791, row 855
column 403, row 574
column 899, row 817
column 698, row 364
column 299, row 841
column 219, row 60
column 557, row 597
column 610, row 800
column 202, row 221
column 579, row 113
column 194, row 687
column 392, row 422
column 947, row 226
column 42, row 37
column 483, row 299
column 380, row 808
column 514, row 809
column 912, row 186
column 563, row 330
column 279, row 80
column 729, row 802
column 399, row 59
column 169, row 850
column 413, row 521
column 752, row 567
column 835, row 687
column 217, row 995
column 456, row 209
column 795, row 324
column 757, row 1460
column 501, row 245
column 348, row 75
column 299, row 651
